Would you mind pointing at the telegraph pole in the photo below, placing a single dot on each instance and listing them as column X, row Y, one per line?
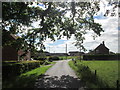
column 80, row 53
column 49, row 49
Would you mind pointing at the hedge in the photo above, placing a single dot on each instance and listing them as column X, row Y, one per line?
column 14, row 69
column 53, row 58
column 40, row 58
column 101, row 57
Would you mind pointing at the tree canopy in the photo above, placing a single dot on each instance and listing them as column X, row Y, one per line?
column 56, row 19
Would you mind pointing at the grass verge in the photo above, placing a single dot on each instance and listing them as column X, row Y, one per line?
column 107, row 73
column 26, row 80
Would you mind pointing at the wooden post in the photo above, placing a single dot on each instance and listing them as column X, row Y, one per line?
column 117, row 84
column 95, row 72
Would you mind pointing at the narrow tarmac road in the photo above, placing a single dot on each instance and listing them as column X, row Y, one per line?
column 59, row 76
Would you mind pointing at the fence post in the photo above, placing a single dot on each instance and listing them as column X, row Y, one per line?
column 95, row 72
column 117, row 84
column 75, row 63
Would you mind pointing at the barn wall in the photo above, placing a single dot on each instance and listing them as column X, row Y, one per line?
column 9, row 53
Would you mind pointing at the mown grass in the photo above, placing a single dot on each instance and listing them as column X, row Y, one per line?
column 107, row 70
column 26, row 80
column 107, row 73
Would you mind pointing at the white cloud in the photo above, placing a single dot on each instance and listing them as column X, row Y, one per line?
column 61, row 47
column 110, row 35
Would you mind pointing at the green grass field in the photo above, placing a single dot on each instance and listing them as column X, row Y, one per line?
column 26, row 80
column 107, row 71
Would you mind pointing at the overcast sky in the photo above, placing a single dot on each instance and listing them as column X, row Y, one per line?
column 110, row 35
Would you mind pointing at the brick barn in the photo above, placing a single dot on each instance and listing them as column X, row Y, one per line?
column 10, row 53
column 101, row 49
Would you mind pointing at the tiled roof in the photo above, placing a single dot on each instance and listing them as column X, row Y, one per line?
column 101, row 45
column 15, row 36
column 74, row 52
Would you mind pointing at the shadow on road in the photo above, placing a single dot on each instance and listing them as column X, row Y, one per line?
column 65, row 81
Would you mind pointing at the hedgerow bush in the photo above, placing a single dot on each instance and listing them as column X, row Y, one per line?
column 53, row 58
column 46, row 62
column 102, row 57
column 40, row 58
column 14, row 69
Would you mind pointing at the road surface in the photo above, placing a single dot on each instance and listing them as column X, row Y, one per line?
column 59, row 76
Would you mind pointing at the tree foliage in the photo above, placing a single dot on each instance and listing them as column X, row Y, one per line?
column 54, row 20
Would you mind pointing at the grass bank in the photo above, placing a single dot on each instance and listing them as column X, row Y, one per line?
column 106, row 73
column 26, row 80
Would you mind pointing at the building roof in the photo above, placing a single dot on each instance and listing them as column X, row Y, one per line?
column 101, row 45
column 15, row 36
column 10, row 35
column 74, row 52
